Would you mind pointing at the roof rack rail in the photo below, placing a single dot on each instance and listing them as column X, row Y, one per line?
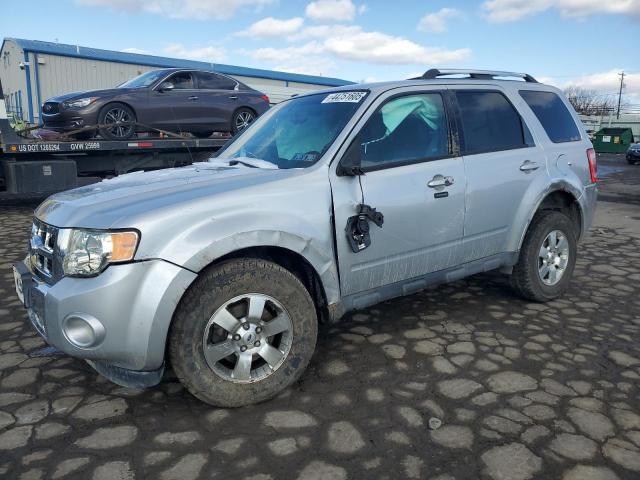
column 434, row 73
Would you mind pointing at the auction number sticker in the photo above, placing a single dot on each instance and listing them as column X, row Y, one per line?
column 350, row 97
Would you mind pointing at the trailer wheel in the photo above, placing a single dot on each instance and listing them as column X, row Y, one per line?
column 118, row 120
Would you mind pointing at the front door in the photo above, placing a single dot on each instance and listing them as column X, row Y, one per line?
column 411, row 176
column 178, row 109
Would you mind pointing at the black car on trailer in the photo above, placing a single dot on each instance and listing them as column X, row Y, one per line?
column 32, row 168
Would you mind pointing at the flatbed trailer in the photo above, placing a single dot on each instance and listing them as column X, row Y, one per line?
column 32, row 168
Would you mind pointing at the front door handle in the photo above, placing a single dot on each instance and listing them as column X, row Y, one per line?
column 233, row 97
column 440, row 181
column 529, row 166
column 193, row 97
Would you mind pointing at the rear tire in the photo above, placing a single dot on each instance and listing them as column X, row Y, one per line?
column 258, row 365
column 241, row 119
column 542, row 272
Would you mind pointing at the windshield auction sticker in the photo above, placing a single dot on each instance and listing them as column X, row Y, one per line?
column 350, row 97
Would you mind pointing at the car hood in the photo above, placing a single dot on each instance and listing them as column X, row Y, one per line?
column 109, row 92
column 127, row 200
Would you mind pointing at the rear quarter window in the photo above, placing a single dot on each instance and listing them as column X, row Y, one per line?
column 553, row 115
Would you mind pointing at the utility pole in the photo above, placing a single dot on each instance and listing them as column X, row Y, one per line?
column 621, row 75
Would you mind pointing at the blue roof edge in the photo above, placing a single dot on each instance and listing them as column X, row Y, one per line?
column 66, row 50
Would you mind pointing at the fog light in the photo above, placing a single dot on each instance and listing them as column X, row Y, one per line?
column 82, row 330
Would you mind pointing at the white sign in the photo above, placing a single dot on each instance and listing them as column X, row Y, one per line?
column 606, row 138
column 340, row 97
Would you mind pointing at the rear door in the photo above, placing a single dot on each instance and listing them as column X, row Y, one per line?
column 500, row 160
column 176, row 109
column 219, row 98
column 414, row 177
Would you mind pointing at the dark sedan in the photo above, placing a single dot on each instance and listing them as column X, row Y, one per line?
column 633, row 154
column 175, row 100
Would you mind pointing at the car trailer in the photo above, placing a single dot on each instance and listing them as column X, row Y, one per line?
column 32, row 168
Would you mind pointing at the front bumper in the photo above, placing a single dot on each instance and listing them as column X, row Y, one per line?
column 134, row 303
column 71, row 119
column 633, row 155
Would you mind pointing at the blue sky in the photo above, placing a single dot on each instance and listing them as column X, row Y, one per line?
column 565, row 42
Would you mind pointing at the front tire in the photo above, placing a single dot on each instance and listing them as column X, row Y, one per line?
column 547, row 257
column 118, row 120
column 243, row 332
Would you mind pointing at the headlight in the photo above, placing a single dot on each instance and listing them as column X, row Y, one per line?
column 81, row 102
column 88, row 252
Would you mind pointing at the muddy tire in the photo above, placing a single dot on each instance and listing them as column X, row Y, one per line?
column 547, row 257
column 243, row 332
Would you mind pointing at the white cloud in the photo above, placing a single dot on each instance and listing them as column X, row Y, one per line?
column 350, row 42
column 204, row 54
column 272, row 54
column 194, row 9
column 512, row 10
column 378, row 47
column 308, row 66
column 273, row 27
column 139, row 51
column 331, row 10
column 605, row 83
column 437, row 22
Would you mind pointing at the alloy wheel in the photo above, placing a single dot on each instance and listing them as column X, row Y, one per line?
column 243, row 119
column 247, row 338
column 118, row 122
column 553, row 257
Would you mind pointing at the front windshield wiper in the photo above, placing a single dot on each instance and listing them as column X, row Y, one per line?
column 249, row 162
column 236, row 162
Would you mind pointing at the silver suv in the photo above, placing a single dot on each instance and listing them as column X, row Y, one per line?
column 329, row 202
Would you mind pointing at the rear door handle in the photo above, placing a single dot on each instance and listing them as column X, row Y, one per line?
column 233, row 97
column 193, row 97
column 529, row 166
column 440, row 181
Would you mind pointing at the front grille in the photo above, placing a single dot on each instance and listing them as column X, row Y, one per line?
column 51, row 108
column 42, row 250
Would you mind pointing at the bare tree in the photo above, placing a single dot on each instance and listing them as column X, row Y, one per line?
column 589, row 102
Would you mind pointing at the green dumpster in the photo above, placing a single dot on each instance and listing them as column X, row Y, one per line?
column 612, row 140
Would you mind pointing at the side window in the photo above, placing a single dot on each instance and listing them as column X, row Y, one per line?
column 211, row 81
column 182, row 80
column 405, row 130
column 553, row 115
column 490, row 123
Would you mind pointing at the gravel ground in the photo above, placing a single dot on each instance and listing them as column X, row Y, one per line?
column 463, row 381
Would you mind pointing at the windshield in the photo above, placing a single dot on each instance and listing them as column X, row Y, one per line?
column 143, row 80
column 297, row 132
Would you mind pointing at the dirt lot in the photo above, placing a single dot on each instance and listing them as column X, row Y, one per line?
column 522, row 390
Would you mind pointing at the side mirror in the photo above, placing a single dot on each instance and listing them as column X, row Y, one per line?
column 166, row 87
column 350, row 164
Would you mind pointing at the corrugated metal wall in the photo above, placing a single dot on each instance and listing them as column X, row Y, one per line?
column 14, row 83
column 57, row 75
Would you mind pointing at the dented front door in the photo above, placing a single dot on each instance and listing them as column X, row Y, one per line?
column 422, row 201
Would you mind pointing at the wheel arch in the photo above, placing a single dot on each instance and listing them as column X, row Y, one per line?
column 121, row 102
column 562, row 198
column 292, row 261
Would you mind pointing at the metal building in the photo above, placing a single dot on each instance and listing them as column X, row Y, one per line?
column 32, row 71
